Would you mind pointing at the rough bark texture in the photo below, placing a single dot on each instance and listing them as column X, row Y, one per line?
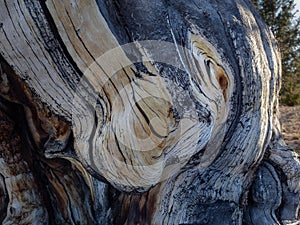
column 141, row 112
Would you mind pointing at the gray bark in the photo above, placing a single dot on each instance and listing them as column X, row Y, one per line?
column 141, row 112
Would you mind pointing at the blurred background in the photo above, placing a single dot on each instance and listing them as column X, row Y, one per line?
column 283, row 18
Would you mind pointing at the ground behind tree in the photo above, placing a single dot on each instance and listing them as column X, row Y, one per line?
column 290, row 119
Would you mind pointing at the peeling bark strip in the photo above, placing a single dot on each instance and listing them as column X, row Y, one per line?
column 141, row 112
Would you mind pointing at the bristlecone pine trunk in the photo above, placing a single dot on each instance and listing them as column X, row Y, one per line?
column 141, row 112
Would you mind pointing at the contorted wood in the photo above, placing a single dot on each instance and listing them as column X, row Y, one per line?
column 142, row 112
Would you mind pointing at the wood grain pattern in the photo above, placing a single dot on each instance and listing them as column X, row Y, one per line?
column 141, row 112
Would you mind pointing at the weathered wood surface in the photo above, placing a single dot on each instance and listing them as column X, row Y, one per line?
column 141, row 112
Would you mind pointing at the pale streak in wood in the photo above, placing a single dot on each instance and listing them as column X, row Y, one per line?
column 21, row 44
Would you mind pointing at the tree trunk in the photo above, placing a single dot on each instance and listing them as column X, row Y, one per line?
column 141, row 112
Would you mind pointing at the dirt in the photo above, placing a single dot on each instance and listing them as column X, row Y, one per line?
column 290, row 119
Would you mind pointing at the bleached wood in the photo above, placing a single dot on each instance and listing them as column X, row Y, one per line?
column 142, row 112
